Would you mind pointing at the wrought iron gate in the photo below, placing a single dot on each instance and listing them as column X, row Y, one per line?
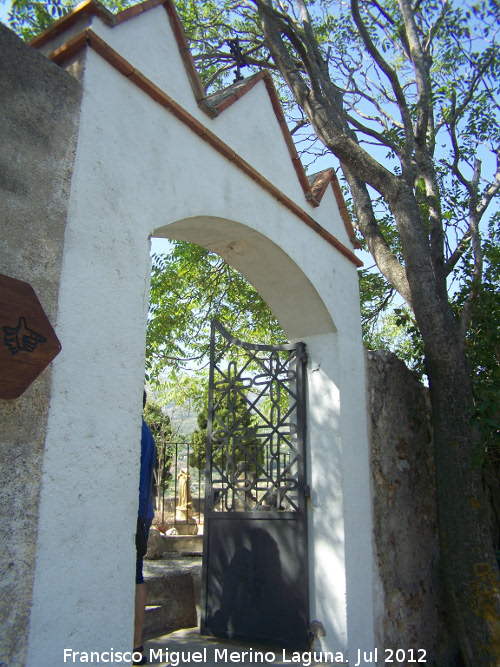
column 255, row 572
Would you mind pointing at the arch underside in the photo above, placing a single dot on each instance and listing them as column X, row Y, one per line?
column 285, row 288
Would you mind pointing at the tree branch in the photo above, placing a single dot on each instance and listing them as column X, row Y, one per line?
column 433, row 30
column 393, row 79
column 458, row 111
column 325, row 111
column 378, row 246
column 458, row 253
column 466, row 314
column 383, row 113
column 421, row 64
column 372, row 133
column 492, row 189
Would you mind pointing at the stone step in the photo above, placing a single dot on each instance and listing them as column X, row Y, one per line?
column 159, row 544
column 159, row 621
column 185, row 544
column 155, row 622
column 173, row 587
column 171, row 564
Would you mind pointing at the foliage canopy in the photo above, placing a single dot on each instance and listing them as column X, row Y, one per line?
column 189, row 287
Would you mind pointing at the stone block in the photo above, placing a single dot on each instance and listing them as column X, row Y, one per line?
column 173, row 605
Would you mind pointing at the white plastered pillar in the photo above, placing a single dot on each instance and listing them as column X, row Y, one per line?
column 340, row 519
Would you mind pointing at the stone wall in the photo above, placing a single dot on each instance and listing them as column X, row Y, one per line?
column 409, row 596
column 38, row 125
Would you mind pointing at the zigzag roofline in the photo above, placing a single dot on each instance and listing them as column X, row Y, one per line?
column 319, row 183
column 212, row 105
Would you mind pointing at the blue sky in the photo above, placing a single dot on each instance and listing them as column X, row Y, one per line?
column 4, row 11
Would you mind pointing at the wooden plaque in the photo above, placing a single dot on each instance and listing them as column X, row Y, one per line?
column 28, row 342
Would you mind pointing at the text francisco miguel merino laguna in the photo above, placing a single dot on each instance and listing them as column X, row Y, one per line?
column 224, row 655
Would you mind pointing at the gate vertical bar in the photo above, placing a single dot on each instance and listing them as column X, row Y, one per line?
column 304, row 490
column 208, row 483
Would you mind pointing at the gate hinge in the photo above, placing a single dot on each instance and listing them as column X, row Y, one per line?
column 307, row 491
column 304, row 358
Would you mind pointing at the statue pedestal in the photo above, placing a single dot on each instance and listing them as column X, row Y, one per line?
column 184, row 522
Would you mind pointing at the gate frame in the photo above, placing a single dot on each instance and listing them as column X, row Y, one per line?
column 303, row 491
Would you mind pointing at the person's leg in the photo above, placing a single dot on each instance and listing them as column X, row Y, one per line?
column 140, row 603
column 140, row 609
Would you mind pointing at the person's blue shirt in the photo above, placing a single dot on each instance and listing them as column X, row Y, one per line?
column 148, row 458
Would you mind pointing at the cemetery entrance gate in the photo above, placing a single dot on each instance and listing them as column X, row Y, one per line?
column 255, row 570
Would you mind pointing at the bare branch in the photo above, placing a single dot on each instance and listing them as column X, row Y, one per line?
column 402, row 47
column 433, row 30
column 391, row 75
column 365, row 129
column 452, row 129
column 385, row 14
column 458, row 253
column 302, row 123
column 466, row 314
column 324, row 110
column 421, row 63
column 382, row 112
column 491, row 191
column 457, row 112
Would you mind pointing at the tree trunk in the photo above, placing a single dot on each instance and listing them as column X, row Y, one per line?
column 468, row 559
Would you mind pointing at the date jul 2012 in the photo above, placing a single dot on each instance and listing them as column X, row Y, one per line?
column 392, row 656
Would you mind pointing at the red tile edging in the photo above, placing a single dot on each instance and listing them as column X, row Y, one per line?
column 124, row 67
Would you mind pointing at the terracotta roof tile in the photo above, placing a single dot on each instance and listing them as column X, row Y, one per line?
column 319, row 183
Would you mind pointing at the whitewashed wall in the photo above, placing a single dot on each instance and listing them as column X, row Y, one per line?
column 140, row 172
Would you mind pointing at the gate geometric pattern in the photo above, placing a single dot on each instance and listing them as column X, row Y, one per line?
column 255, row 430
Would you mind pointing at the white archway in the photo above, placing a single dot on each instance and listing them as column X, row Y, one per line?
column 147, row 164
column 340, row 518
